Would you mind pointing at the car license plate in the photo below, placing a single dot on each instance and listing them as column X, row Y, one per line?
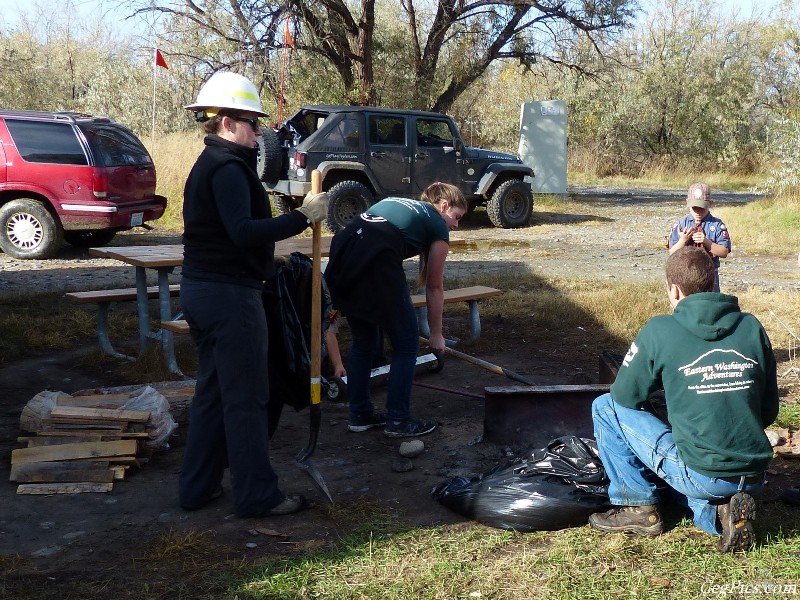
column 137, row 219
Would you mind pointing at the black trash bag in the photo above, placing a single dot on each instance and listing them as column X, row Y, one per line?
column 557, row 487
column 287, row 304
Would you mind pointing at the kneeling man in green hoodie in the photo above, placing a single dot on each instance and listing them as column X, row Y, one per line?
column 717, row 371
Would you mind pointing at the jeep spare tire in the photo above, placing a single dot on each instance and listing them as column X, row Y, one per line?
column 28, row 230
column 511, row 204
column 270, row 156
column 346, row 200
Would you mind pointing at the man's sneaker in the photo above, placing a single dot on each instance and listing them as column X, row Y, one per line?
column 737, row 518
column 289, row 505
column 641, row 520
column 410, row 428
column 364, row 422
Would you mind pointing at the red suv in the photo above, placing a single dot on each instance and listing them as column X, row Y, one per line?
column 70, row 177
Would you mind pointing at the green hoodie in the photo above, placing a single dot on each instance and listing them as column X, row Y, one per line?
column 717, row 369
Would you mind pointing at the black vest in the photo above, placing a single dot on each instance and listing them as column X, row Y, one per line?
column 209, row 253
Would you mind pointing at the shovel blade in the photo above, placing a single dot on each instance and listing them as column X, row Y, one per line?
column 311, row 469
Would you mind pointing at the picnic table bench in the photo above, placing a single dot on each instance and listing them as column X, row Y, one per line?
column 470, row 295
column 104, row 299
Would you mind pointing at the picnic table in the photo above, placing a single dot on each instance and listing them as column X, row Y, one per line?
column 164, row 258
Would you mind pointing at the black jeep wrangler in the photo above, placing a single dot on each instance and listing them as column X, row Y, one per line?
column 368, row 153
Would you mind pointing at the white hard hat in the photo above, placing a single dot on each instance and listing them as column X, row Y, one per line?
column 226, row 90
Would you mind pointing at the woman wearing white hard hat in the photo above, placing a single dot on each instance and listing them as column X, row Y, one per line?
column 229, row 243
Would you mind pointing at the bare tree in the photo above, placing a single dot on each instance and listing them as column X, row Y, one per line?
column 452, row 42
column 490, row 30
column 207, row 36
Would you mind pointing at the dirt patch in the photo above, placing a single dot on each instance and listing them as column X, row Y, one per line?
column 50, row 544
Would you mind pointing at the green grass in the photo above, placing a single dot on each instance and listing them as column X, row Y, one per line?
column 474, row 561
column 767, row 225
column 33, row 324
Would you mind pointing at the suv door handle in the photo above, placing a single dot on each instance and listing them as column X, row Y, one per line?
column 421, row 155
column 377, row 154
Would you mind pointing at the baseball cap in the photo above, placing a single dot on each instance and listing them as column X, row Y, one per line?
column 699, row 195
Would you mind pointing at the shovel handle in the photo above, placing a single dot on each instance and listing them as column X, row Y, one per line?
column 486, row 365
column 316, row 300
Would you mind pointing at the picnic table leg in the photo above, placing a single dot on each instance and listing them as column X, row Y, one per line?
column 142, row 308
column 474, row 321
column 102, row 332
column 165, row 309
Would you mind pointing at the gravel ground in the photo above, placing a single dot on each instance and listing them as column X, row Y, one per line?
column 606, row 233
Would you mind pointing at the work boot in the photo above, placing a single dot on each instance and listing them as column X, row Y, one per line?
column 365, row 422
column 641, row 520
column 737, row 518
column 409, row 428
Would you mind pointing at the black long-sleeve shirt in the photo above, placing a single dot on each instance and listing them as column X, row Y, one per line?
column 229, row 233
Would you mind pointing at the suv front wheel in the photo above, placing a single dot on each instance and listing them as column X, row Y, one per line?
column 511, row 204
column 28, row 230
column 346, row 200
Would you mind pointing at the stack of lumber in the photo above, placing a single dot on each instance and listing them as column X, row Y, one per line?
column 79, row 443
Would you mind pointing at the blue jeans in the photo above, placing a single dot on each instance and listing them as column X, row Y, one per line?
column 403, row 333
column 634, row 443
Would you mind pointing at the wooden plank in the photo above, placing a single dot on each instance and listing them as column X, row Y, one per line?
column 63, row 488
column 95, row 401
column 105, row 414
column 38, row 442
column 475, row 292
column 119, row 471
column 118, row 295
column 177, row 326
column 97, row 434
column 62, row 472
column 74, row 451
column 70, row 425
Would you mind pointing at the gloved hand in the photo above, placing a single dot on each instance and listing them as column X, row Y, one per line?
column 315, row 206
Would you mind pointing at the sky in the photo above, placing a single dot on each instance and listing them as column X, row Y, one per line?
column 113, row 16
column 11, row 9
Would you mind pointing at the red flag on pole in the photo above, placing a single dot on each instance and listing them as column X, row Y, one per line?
column 160, row 62
column 288, row 40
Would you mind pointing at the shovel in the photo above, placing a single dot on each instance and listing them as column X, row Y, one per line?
column 303, row 459
column 486, row 365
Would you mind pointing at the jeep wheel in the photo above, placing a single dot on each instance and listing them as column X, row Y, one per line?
column 283, row 204
column 511, row 204
column 28, row 230
column 87, row 239
column 270, row 156
column 346, row 200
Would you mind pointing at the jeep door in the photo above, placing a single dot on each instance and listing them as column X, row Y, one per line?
column 388, row 154
column 435, row 158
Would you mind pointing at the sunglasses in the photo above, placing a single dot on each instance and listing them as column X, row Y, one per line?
column 253, row 121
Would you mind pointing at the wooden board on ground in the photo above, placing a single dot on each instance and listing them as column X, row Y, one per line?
column 121, row 448
column 49, row 440
column 62, row 472
column 101, row 414
column 98, row 434
column 119, row 471
column 63, row 488
column 96, row 401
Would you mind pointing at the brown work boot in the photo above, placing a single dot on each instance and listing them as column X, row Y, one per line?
column 737, row 518
column 641, row 520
